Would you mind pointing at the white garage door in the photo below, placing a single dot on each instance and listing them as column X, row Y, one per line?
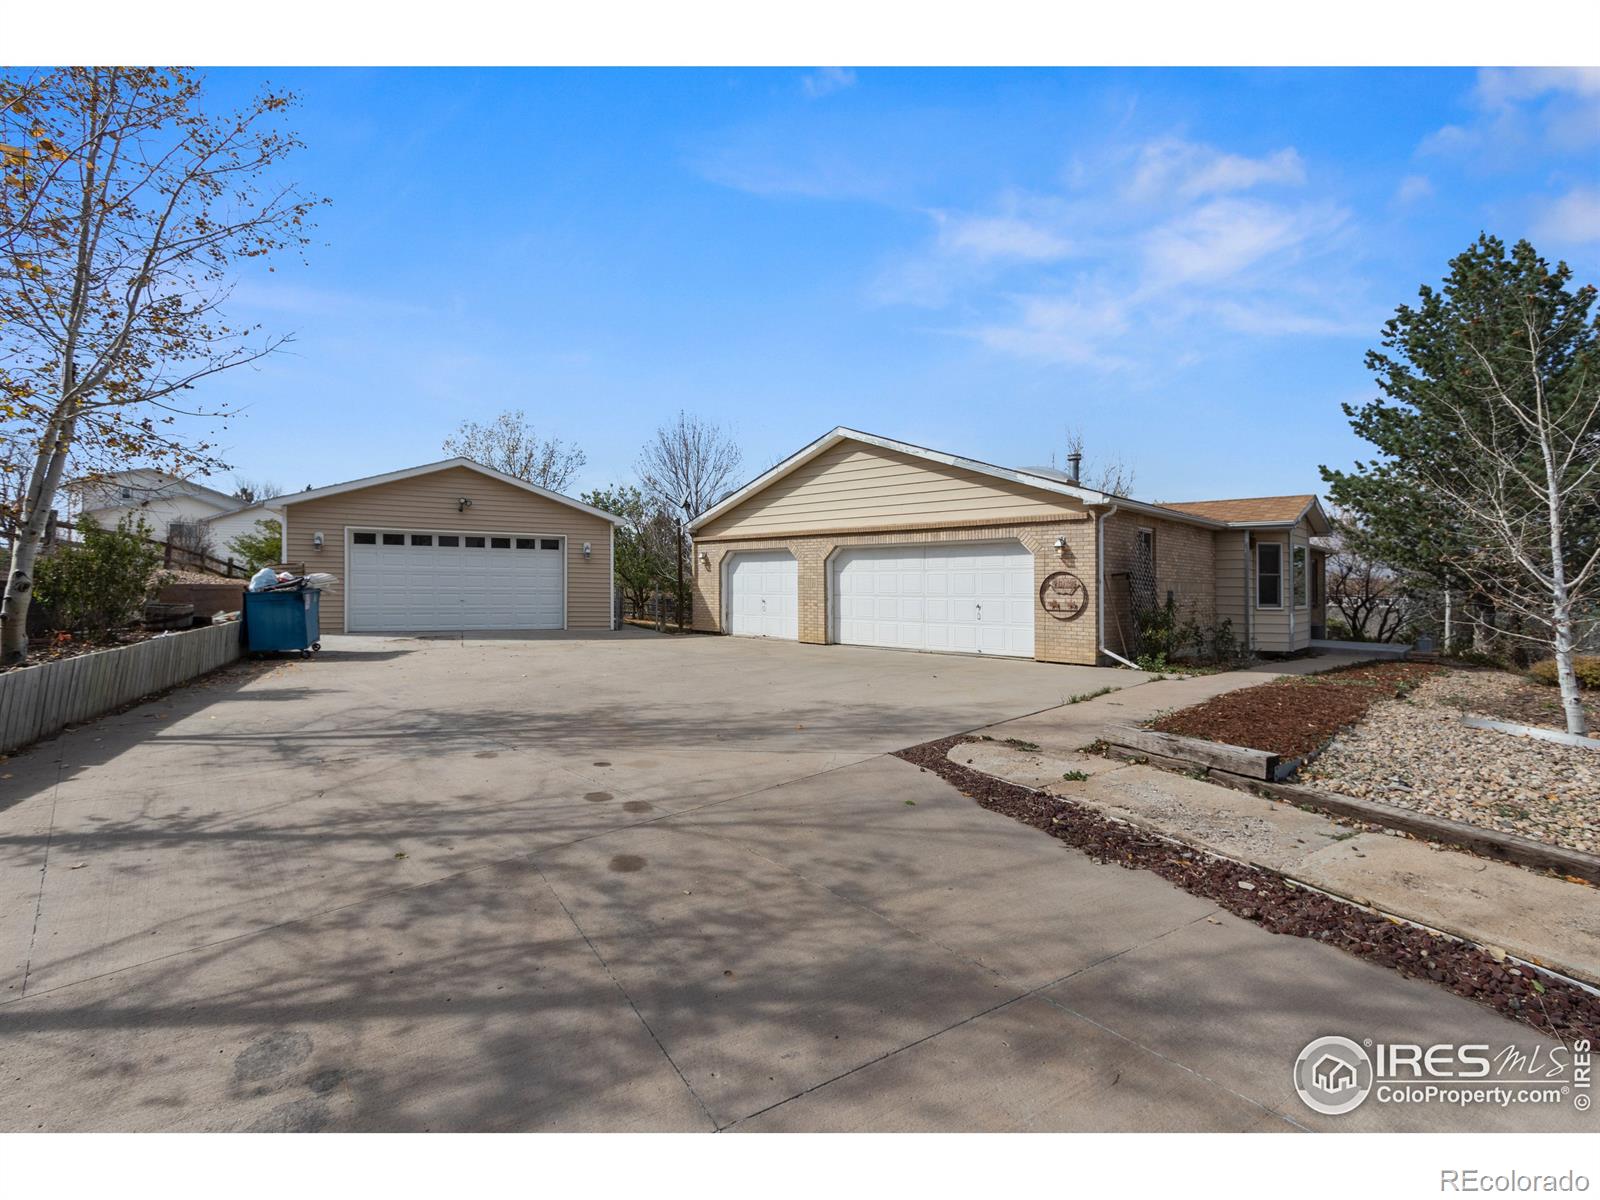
column 406, row 582
column 964, row 599
column 764, row 596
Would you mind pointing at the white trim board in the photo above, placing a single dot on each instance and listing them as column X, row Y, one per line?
column 1044, row 483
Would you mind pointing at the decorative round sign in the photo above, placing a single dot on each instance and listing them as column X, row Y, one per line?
column 1063, row 596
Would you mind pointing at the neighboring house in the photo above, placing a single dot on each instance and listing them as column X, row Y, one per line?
column 451, row 546
column 864, row 540
column 176, row 509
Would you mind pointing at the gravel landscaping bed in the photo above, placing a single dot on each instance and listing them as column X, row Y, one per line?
column 1546, row 1003
column 1507, row 697
column 1295, row 715
column 1417, row 754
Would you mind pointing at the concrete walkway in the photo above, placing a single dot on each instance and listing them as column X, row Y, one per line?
column 1073, row 726
column 1530, row 915
column 627, row 883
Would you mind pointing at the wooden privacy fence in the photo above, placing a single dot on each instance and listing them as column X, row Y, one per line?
column 38, row 701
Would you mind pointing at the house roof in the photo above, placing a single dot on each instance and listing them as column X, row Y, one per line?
column 172, row 484
column 237, row 509
column 1035, row 477
column 1256, row 510
column 285, row 501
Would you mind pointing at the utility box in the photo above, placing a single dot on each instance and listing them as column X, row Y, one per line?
column 283, row 620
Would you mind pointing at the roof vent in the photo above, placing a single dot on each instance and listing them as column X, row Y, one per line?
column 1074, row 465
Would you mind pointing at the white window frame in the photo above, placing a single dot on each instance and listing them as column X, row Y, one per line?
column 1277, row 574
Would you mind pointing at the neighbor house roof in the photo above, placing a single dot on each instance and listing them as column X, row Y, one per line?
column 428, row 469
column 1040, row 478
column 237, row 509
column 1256, row 510
column 174, row 485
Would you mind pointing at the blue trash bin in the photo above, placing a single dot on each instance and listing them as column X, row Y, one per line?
column 286, row 620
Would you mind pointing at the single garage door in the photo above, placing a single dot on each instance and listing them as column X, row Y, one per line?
column 419, row 581
column 764, row 595
column 974, row 599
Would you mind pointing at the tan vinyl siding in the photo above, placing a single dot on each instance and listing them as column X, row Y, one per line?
column 853, row 486
column 430, row 503
column 1233, row 581
column 1274, row 630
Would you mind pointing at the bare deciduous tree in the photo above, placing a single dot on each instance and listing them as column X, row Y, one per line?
column 689, row 465
column 123, row 206
column 1369, row 597
column 1111, row 475
column 684, row 469
column 249, row 490
column 510, row 444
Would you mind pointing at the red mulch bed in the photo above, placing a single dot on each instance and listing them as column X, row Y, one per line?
column 1297, row 715
column 1548, row 1004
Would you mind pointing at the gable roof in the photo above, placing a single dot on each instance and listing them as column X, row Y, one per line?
column 237, row 509
column 1035, row 477
column 1257, row 510
column 164, row 486
column 278, row 502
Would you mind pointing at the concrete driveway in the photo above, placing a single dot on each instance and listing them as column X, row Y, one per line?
column 622, row 882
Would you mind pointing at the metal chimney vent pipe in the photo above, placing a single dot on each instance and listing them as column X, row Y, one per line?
column 1074, row 462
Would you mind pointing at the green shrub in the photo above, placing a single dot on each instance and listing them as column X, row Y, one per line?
column 1224, row 645
column 263, row 546
column 1587, row 667
column 101, row 584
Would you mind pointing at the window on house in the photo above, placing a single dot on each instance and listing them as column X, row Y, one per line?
column 449, row 539
column 1269, row 575
column 1299, row 560
column 1318, row 566
column 549, row 543
column 1147, row 546
column 499, row 543
column 422, row 539
column 527, row 543
column 127, row 493
column 365, row 539
column 394, row 539
column 474, row 543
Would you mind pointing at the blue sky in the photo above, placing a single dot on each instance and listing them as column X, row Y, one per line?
column 1187, row 265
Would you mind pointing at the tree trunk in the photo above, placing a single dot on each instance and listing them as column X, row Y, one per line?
column 39, row 502
column 1566, row 676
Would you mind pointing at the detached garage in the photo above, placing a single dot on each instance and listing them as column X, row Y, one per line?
column 452, row 546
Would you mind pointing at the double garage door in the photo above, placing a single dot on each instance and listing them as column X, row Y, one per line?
column 403, row 582
column 973, row 599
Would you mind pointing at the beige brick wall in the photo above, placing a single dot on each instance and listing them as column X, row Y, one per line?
column 1185, row 561
column 1053, row 641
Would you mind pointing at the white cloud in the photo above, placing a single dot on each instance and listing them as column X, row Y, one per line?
column 1000, row 237
column 1278, row 320
column 1521, row 109
column 824, row 81
column 1412, row 189
column 1222, row 238
column 1574, row 217
column 1500, row 86
column 1189, row 170
column 1061, row 329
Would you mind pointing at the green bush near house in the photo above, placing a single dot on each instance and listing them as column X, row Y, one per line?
column 1587, row 667
column 101, row 584
column 263, row 546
